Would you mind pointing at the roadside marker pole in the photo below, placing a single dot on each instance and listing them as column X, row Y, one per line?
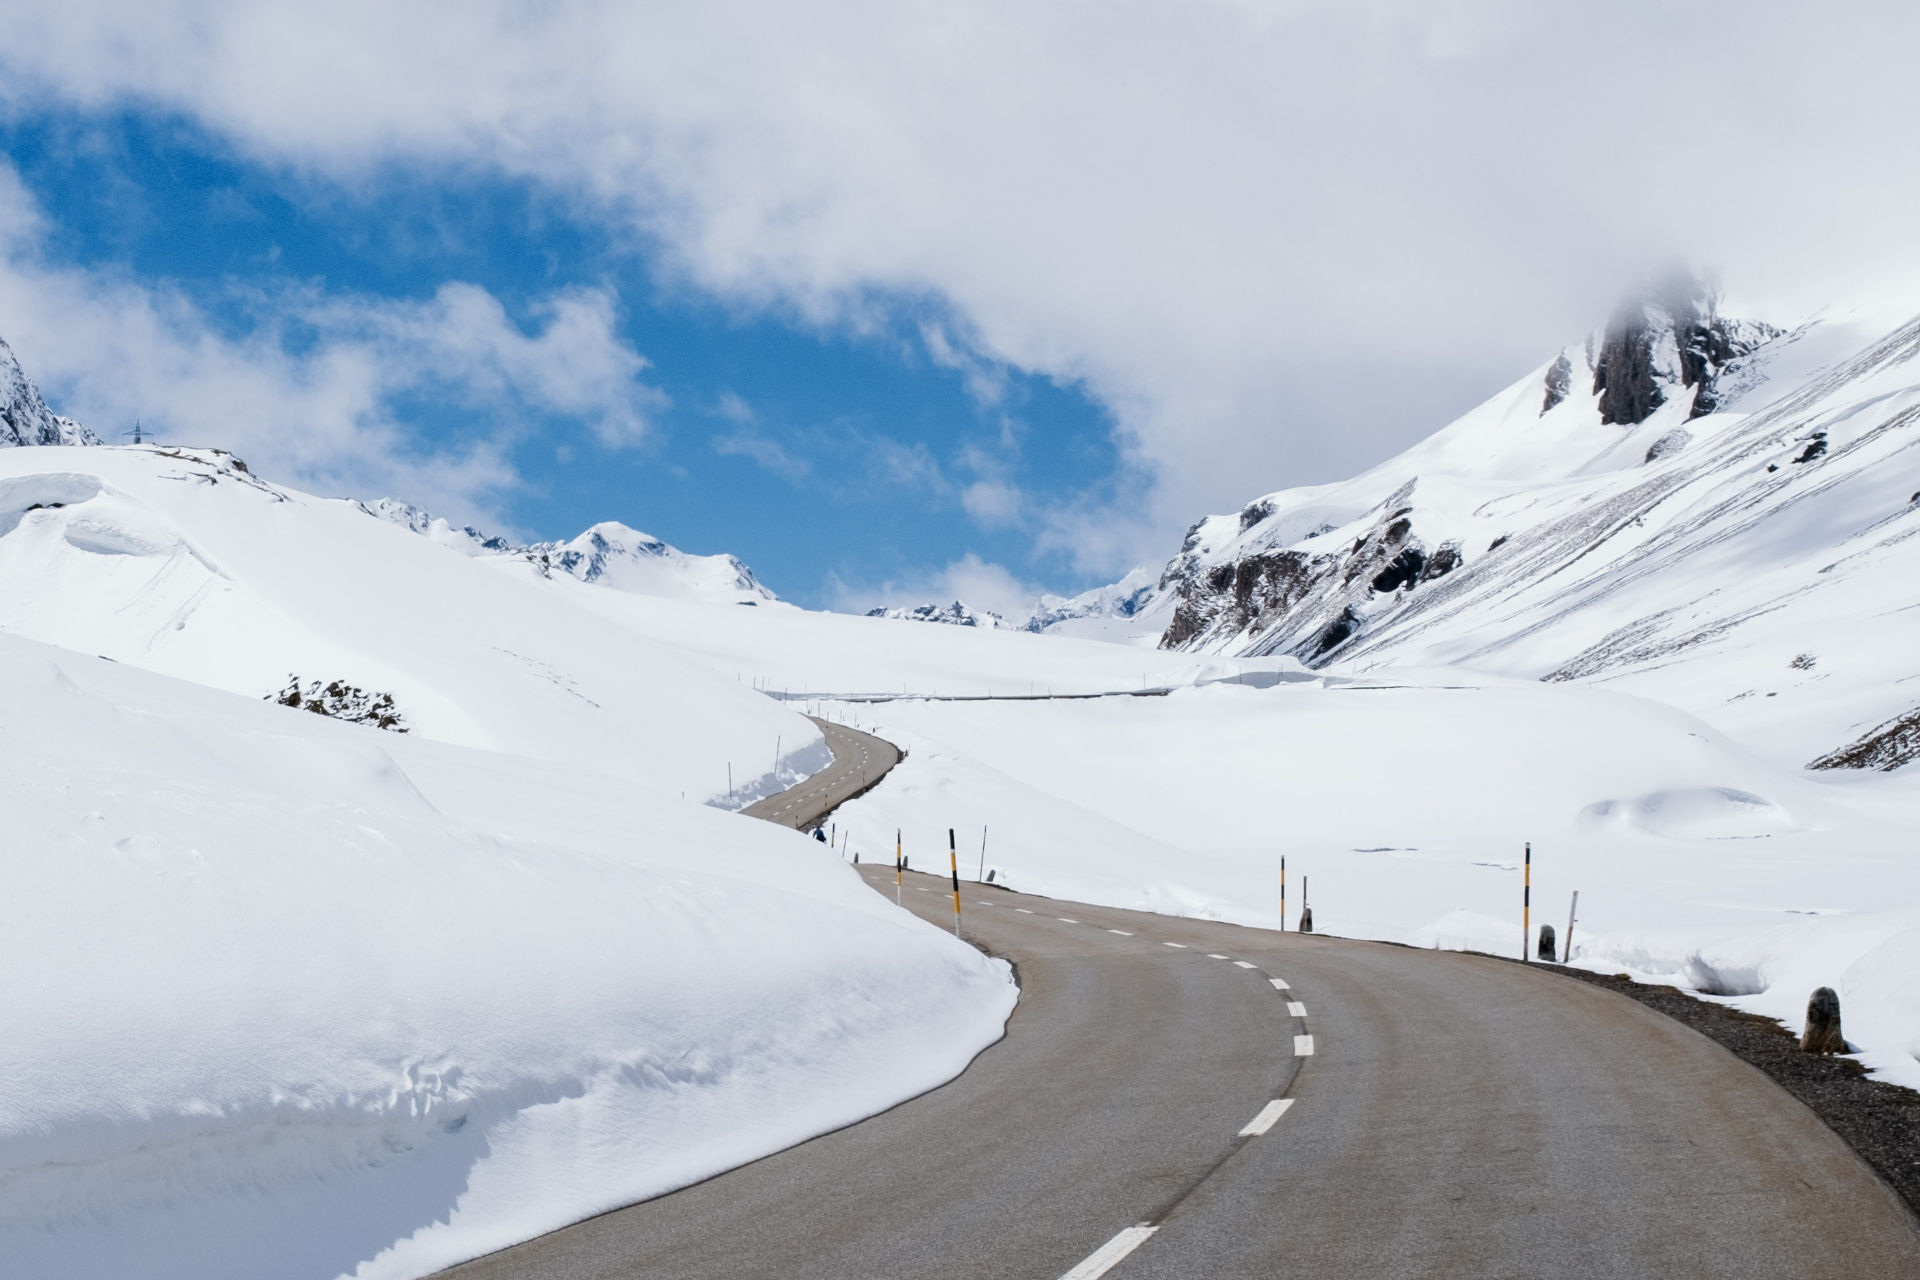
column 1566, row 957
column 896, row 866
column 953, row 864
column 983, row 855
column 1526, row 900
column 1283, row 893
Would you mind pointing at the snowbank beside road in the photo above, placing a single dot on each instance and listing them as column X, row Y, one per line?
column 1407, row 802
column 293, row 998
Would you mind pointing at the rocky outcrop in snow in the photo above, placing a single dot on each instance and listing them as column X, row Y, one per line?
column 342, row 701
column 956, row 614
column 24, row 416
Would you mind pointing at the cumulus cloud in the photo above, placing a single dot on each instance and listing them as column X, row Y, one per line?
column 308, row 391
column 1276, row 238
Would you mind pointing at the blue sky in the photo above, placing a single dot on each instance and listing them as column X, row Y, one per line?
column 836, row 460
column 909, row 300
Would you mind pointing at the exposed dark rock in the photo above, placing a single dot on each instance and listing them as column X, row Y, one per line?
column 1885, row 748
column 1547, row 949
column 342, row 701
column 1669, row 444
column 1559, row 382
column 1253, row 513
column 1443, row 562
column 1679, row 324
column 1338, row 632
column 1816, row 447
column 1403, row 570
column 1498, row 542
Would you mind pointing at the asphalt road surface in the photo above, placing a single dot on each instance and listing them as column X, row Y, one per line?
column 1176, row 1098
column 859, row 761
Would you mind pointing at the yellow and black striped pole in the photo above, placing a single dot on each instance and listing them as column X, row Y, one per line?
column 896, row 866
column 953, row 864
column 1526, row 900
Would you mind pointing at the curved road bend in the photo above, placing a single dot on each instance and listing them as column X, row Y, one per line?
column 859, row 761
column 1456, row 1116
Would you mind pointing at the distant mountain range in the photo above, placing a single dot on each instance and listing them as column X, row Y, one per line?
column 609, row 554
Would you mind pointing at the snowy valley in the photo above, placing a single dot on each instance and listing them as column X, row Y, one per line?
column 487, row 919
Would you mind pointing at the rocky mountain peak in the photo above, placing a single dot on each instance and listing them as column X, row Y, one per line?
column 1670, row 342
column 24, row 416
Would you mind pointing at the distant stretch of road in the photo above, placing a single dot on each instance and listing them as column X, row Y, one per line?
column 859, row 761
column 1177, row 1099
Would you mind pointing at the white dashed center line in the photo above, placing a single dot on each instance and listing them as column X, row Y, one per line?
column 1109, row 1255
column 1122, row 932
column 1212, row 956
column 1181, row 945
column 1279, row 984
column 1064, row 920
column 1023, row 911
column 1303, row 1046
column 1295, row 1009
column 1244, row 964
column 1268, row 1114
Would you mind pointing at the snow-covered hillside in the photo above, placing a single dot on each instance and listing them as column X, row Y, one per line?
column 186, row 563
column 293, row 998
column 1731, row 532
column 609, row 554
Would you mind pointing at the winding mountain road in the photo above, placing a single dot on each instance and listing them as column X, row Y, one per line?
column 1179, row 1098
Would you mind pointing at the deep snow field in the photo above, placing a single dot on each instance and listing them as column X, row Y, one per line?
column 292, row 997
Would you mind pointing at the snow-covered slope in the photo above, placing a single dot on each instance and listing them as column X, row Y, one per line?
column 609, row 554
column 24, row 416
column 1742, row 549
column 293, row 998
column 185, row 563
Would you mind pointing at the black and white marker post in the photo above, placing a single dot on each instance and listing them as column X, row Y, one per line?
column 1283, row 893
column 983, row 856
column 1526, row 900
column 953, row 865
column 896, row 866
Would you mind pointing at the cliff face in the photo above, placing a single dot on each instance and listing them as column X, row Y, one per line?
column 24, row 416
column 1672, row 344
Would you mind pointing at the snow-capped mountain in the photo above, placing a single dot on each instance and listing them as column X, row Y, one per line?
column 613, row 555
column 24, row 416
column 957, row 614
column 609, row 553
column 1706, row 509
column 1123, row 611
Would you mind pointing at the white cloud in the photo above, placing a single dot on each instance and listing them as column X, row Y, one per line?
column 993, row 504
column 977, row 583
column 1275, row 238
column 318, row 411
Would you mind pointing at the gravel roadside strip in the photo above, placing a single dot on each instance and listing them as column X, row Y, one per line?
column 1880, row 1121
